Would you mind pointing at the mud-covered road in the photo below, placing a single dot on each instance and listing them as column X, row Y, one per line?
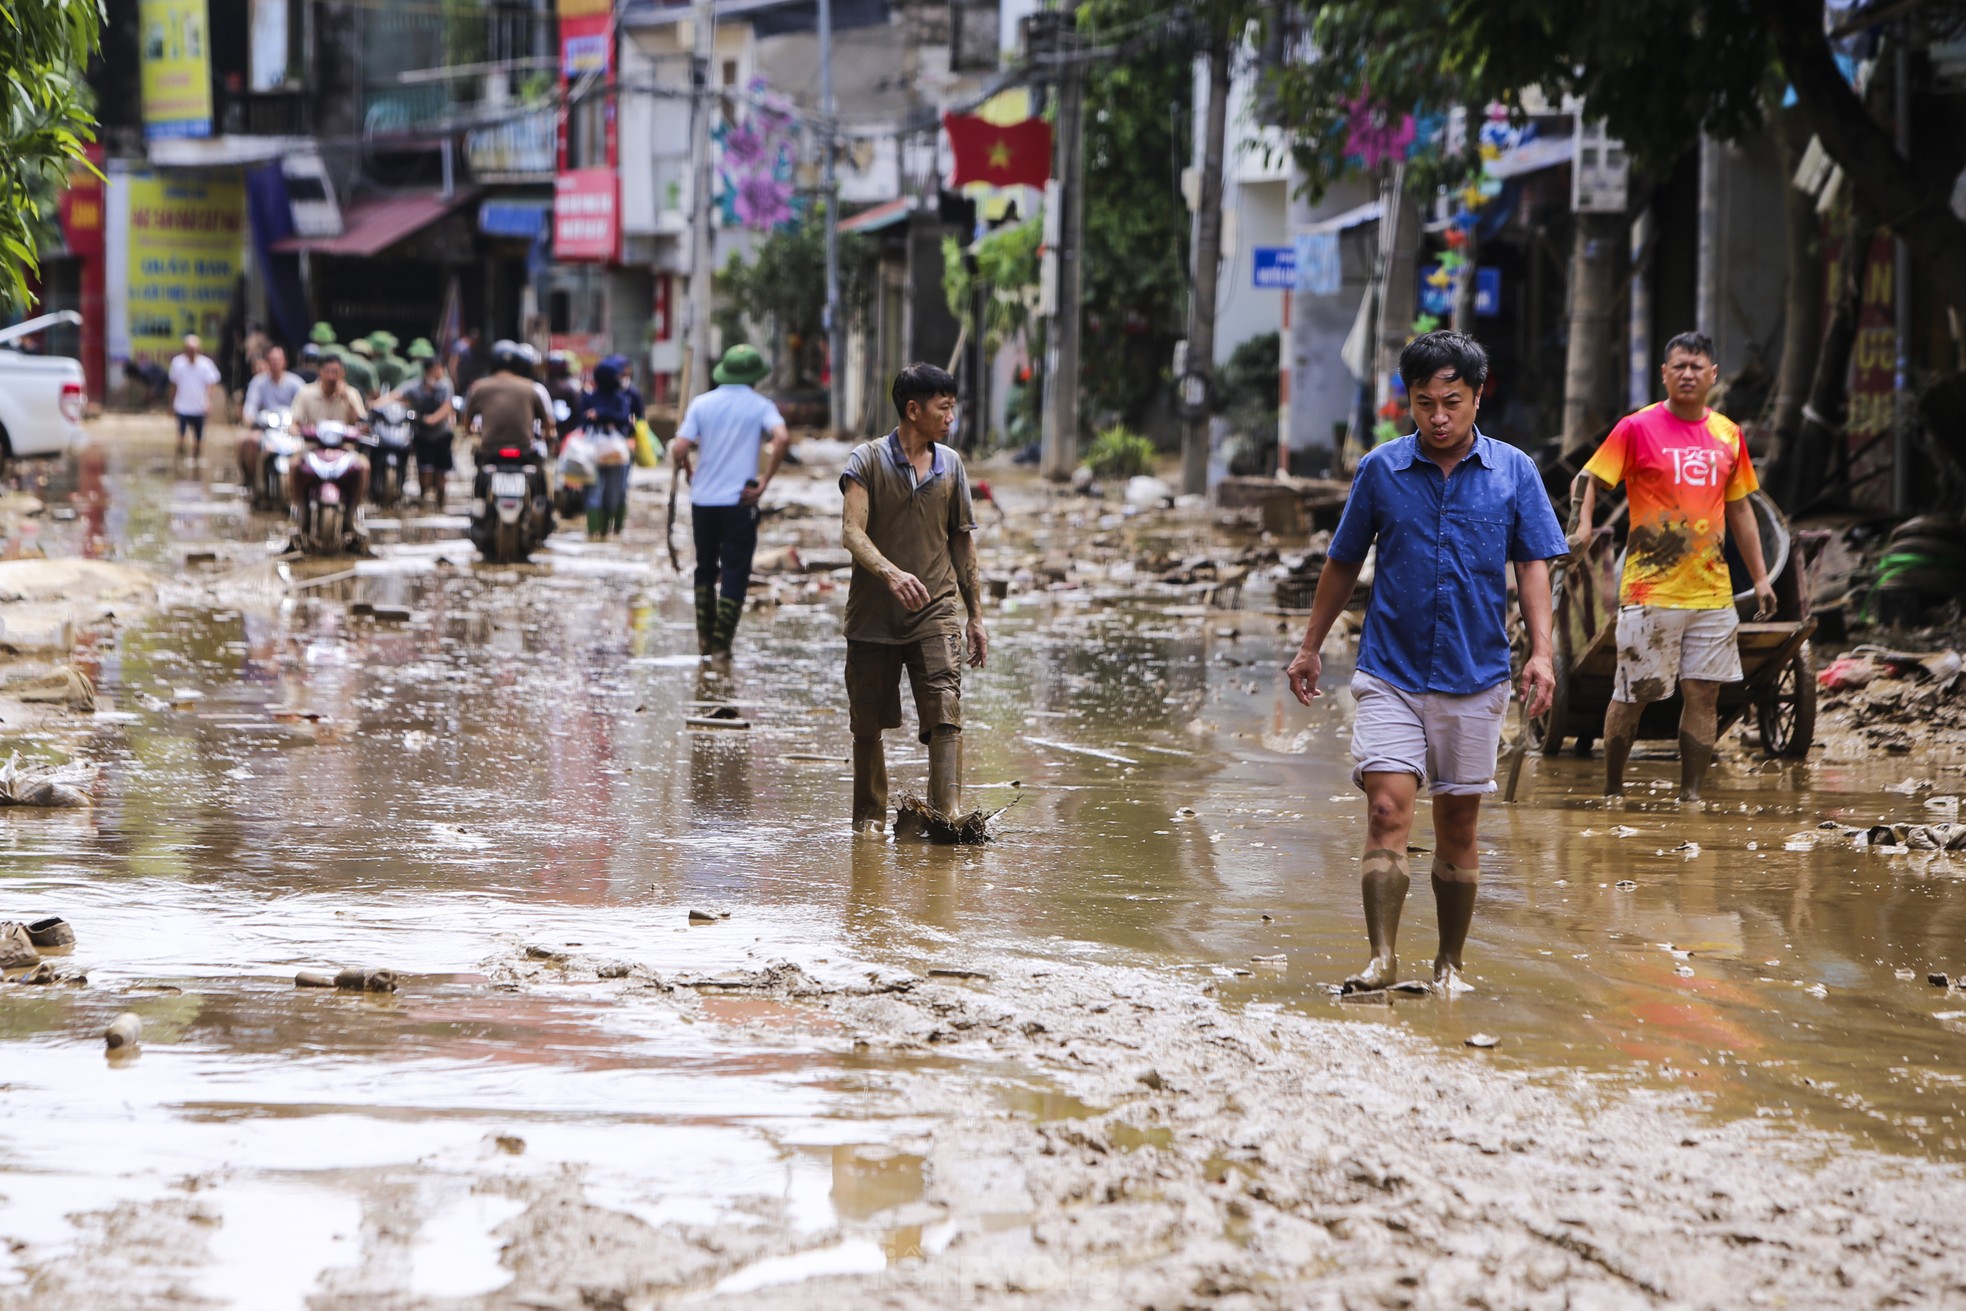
column 1096, row 1064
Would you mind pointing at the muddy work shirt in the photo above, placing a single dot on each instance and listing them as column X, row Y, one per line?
column 509, row 405
column 1438, row 617
column 1679, row 479
column 910, row 523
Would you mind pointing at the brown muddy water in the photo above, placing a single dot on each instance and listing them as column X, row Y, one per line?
column 289, row 784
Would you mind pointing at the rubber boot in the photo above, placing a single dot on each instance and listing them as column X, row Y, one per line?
column 1454, row 900
column 1383, row 880
column 1694, row 757
column 706, row 616
column 619, row 520
column 869, row 784
column 945, row 771
column 729, row 610
column 596, row 521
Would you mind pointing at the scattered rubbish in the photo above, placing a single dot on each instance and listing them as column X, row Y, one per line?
column 1949, row 1015
column 1938, row 979
column 915, row 818
column 509, row 1143
column 67, row 685
column 1417, row 987
column 1624, row 831
column 23, row 785
column 395, row 614
column 1906, row 975
column 955, row 972
column 16, row 949
column 125, row 1031
column 1371, row 997
column 359, row 980
column 193, row 559
column 1683, row 971
column 812, row 758
column 50, row 931
column 1278, row 962
column 1816, row 990
column 1688, row 849
column 1627, row 885
column 314, row 979
column 719, row 717
column 1482, row 1040
column 708, row 916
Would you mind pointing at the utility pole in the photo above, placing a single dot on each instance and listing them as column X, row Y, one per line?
column 830, row 318
column 1061, row 373
column 1587, row 377
column 1207, row 270
column 702, row 106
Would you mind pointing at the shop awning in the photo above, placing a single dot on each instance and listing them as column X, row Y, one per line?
column 1369, row 212
column 880, row 216
column 1533, row 156
column 369, row 227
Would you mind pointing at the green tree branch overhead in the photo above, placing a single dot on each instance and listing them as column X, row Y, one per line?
column 44, row 48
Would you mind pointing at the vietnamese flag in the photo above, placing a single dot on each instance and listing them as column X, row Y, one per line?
column 1000, row 154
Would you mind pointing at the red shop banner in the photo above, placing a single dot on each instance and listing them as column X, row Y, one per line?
column 585, row 224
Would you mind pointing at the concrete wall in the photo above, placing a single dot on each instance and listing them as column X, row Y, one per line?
column 1322, row 389
column 1750, row 264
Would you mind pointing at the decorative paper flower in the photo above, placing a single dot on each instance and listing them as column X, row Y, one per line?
column 1425, row 324
column 763, row 202
column 1372, row 135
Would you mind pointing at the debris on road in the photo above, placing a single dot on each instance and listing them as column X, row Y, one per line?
column 25, row 785
column 50, row 931
column 125, row 1031
column 359, row 980
column 16, row 949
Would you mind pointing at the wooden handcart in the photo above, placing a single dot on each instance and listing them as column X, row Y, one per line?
column 1779, row 679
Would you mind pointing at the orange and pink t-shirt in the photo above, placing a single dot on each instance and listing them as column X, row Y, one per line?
column 1679, row 478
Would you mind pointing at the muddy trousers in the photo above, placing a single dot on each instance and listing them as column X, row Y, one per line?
column 945, row 776
column 873, row 693
column 726, row 539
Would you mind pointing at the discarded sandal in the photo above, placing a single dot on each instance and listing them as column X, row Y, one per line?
column 53, row 931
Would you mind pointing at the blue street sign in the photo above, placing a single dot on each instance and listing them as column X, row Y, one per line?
column 1439, row 301
column 1274, row 268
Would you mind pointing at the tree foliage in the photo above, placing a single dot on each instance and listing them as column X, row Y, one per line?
column 45, row 121
column 784, row 287
column 1007, row 263
column 1138, row 117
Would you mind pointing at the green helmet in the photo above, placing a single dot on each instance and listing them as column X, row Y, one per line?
column 321, row 334
column 421, row 349
column 384, row 341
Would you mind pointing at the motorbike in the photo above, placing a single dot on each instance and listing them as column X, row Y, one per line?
column 387, row 445
column 279, row 447
column 509, row 514
column 328, row 516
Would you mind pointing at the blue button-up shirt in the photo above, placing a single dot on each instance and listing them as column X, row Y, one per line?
column 1438, row 617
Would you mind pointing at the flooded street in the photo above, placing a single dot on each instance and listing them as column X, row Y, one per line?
column 1095, row 1063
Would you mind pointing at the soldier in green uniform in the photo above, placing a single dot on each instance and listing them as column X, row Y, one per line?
column 322, row 335
column 391, row 369
column 360, row 364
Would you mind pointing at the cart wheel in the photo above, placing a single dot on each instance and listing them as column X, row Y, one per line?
column 1787, row 713
column 1548, row 729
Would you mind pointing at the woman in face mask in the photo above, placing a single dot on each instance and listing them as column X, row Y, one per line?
column 607, row 413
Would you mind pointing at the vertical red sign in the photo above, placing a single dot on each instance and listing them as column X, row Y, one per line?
column 585, row 223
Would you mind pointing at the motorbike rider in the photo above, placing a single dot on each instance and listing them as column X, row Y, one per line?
column 391, row 369
column 329, row 399
column 310, row 363
column 507, row 404
column 273, row 389
column 429, row 400
column 359, row 365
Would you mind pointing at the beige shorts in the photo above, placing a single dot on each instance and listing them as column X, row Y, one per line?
column 1447, row 742
column 1658, row 646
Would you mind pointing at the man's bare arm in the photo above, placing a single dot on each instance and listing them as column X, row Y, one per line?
column 962, row 554
column 1532, row 589
column 907, row 588
column 1746, row 532
column 1334, row 593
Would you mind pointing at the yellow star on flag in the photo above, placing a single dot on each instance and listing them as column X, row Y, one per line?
column 1000, row 154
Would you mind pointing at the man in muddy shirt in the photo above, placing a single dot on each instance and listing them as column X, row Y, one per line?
column 909, row 525
column 1687, row 477
column 1447, row 510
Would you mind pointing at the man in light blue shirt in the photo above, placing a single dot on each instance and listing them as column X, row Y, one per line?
column 1450, row 512
column 716, row 447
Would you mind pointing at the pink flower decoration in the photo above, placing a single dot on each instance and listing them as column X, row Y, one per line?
column 1370, row 137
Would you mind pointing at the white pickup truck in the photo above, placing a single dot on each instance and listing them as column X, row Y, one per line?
column 41, row 396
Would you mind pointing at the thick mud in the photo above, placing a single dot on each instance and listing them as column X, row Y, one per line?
column 1094, row 1063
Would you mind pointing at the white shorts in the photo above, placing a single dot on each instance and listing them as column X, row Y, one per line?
column 1447, row 742
column 1658, row 646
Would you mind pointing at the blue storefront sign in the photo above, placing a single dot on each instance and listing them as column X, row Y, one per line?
column 1274, row 268
column 1439, row 301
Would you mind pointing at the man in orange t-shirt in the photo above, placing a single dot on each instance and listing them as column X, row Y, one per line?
column 1687, row 476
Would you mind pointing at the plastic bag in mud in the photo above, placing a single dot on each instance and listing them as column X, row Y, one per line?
column 60, row 787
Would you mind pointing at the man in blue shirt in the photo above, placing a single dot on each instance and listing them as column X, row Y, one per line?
column 1449, row 511
column 716, row 447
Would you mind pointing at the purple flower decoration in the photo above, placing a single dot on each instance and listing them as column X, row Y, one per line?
column 763, row 202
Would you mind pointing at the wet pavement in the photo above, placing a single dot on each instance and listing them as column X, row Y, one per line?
column 287, row 783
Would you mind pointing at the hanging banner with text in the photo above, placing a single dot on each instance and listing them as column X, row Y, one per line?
column 584, row 226
column 186, row 244
column 1874, row 377
column 177, row 68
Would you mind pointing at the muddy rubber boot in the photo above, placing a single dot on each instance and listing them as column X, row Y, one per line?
column 595, row 528
column 945, row 772
column 1694, row 757
column 869, row 784
column 1383, row 881
column 618, row 522
column 729, row 610
column 1455, row 887
column 706, row 616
